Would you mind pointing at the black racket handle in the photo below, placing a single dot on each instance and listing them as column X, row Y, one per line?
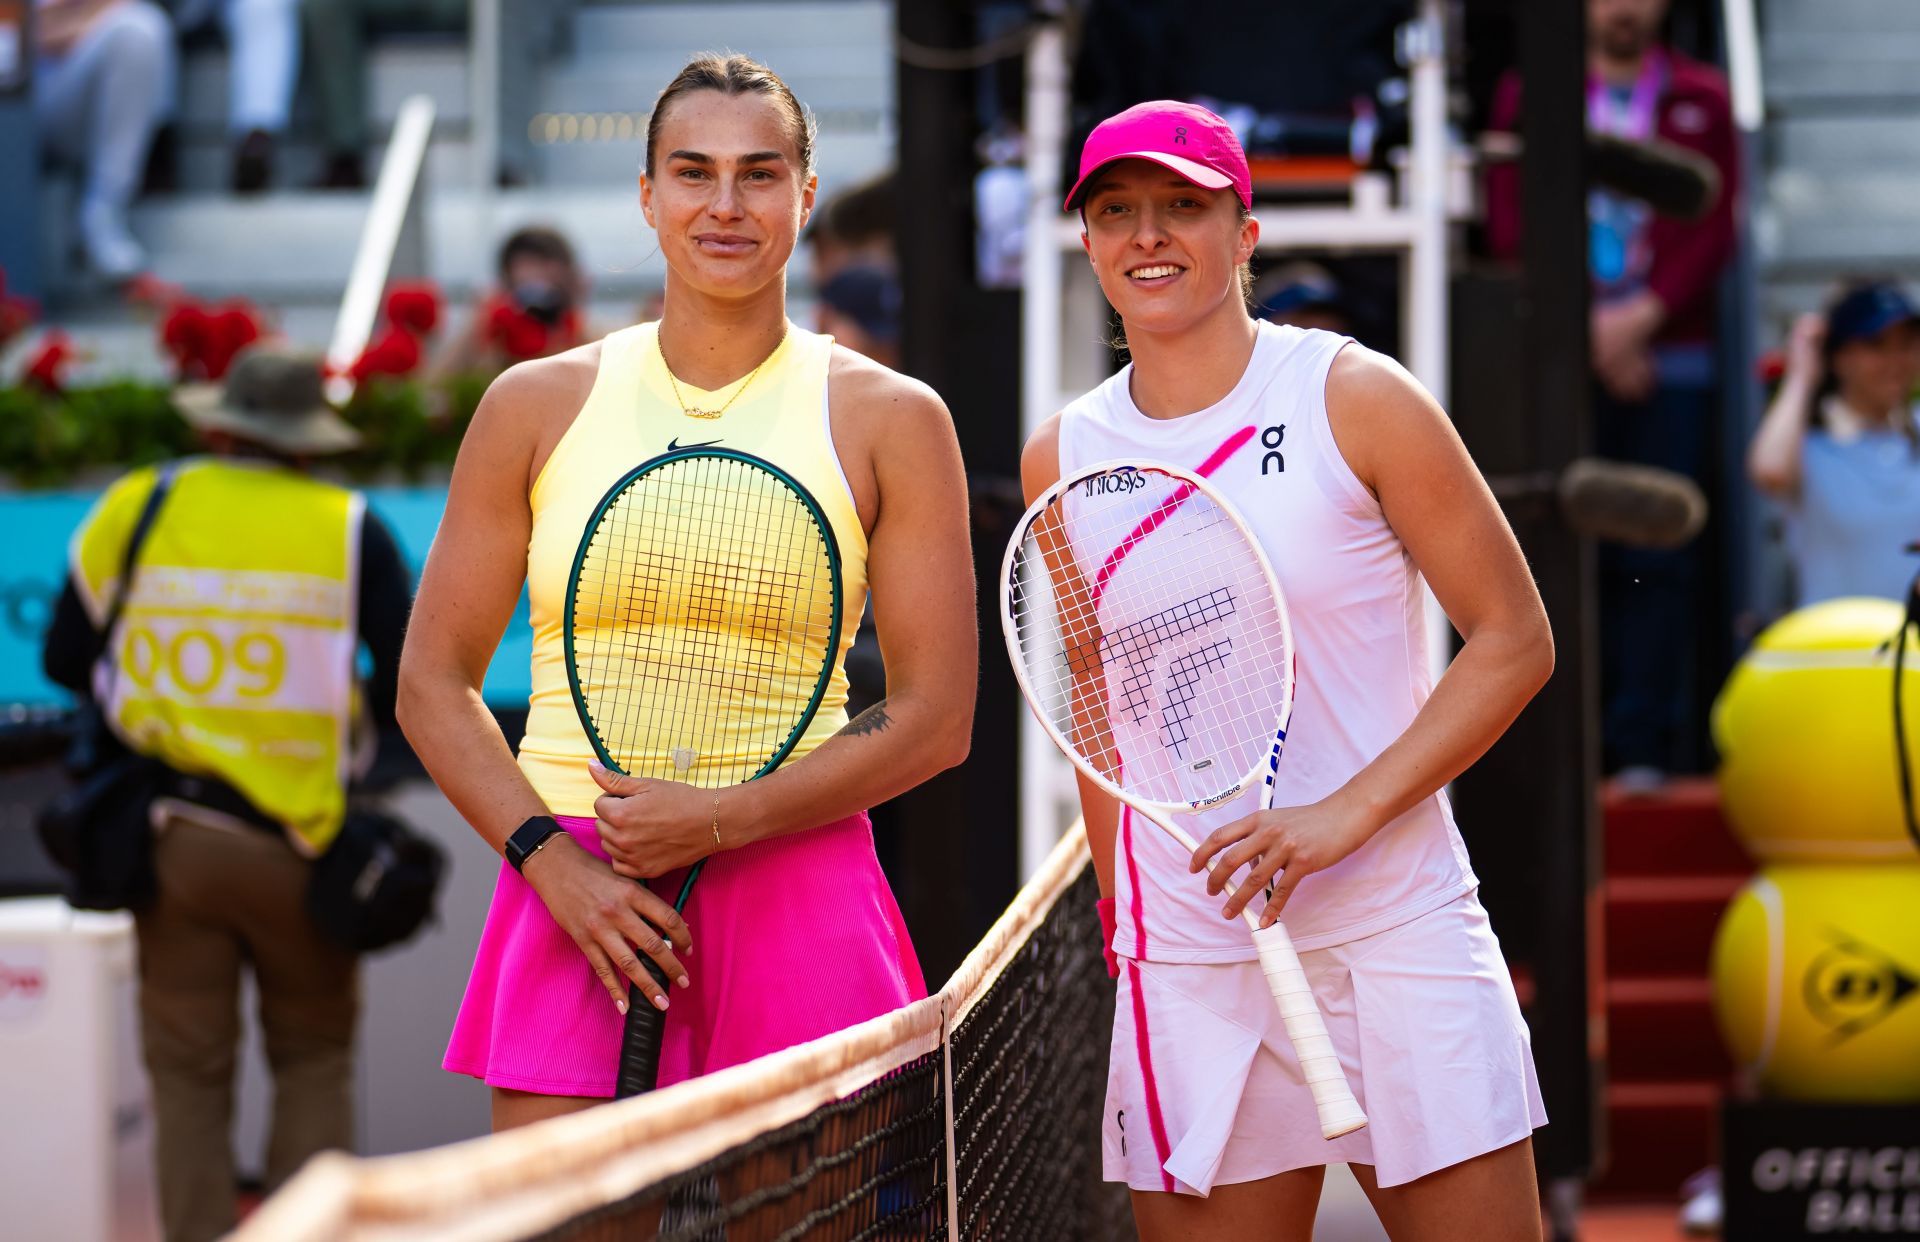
column 640, row 1041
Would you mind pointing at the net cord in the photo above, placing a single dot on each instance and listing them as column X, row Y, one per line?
column 1010, row 626
column 506, row 1186
column 953, row 1146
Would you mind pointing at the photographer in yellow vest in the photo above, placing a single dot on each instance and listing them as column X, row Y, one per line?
column 233, row 662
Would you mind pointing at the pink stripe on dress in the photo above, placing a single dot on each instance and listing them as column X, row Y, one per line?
column 1152, row 521
column 1143, row 1045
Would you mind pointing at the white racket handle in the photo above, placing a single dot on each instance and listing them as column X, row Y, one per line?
column 1339, row 1112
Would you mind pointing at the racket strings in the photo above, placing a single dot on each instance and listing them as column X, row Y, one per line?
column 1151, row 635
column 703, row 620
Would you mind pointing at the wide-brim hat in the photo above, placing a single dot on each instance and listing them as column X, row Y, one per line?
column 274, row 397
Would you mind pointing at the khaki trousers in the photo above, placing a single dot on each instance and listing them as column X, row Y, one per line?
column 232, row 898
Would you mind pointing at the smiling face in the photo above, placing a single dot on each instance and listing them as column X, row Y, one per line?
column 1166, row 251
column 728, row 191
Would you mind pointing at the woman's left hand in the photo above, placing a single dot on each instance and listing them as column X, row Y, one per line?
column 1290, row 842
column 650, row 827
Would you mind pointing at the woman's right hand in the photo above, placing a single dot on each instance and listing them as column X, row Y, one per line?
column 1805, row 359
column 609, row 917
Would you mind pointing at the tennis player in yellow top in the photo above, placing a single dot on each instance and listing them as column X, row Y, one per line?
column 798, row 934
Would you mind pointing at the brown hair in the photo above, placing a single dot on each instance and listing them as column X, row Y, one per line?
column 535, row 241
column 733, row 74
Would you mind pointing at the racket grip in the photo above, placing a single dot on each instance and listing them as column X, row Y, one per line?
column 1340, row 1113
column 640, row 1039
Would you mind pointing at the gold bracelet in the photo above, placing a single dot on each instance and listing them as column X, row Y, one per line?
column 716, row 822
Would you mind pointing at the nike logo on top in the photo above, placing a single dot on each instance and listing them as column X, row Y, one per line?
column 674, row 445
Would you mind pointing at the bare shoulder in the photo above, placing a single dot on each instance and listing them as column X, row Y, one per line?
column 1377, row 410
column 873, row 393
column 530, row 405
column 528, row 388
column 1040, row 459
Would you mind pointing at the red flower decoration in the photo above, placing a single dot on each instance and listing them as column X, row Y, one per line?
column 203, row 342
column 235, row 326
column 394, row 352
column 520, row 336
column 414, row 306
column 45, row 371
column 513, row 332
column 183, row 336
column 15, row 312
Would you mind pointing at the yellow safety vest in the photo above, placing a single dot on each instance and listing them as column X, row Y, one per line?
column 234, row 654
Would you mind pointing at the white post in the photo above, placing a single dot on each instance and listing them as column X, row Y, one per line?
column 1041, row 767
column 483, row 93
column 1427, row 199
column 1743, row 64
column 393, row 194
column 1425, row 307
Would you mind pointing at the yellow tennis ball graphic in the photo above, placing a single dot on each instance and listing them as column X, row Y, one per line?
column 1804, row 727
column 1816, row 981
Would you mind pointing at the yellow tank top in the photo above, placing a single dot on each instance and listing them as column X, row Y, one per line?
column 630, row 416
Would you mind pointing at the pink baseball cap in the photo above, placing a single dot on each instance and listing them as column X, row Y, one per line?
column 1182, row 137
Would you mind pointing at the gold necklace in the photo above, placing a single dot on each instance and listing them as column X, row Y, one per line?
column 710, row 414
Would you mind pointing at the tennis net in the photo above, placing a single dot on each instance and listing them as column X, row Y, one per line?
column 971, row 1114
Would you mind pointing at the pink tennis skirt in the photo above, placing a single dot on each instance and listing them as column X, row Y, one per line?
column 793, row 938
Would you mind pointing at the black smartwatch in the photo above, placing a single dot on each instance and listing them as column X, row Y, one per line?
column 529, row 837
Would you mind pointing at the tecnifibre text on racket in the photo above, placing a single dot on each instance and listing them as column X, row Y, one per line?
column 1150, row 637
column 702, row 628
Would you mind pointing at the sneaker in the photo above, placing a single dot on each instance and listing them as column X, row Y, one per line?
column 110, row 249
column 253, row 162
column 1702, row 1210
column 1639, row 780
column 344, row 171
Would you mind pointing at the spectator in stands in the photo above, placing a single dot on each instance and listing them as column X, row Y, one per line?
column 860, row 308
column 1304, row 295
column 103, row 79
column 1840, row 447
column 263, row 62
column 534, row 311
column 854, row 229
column 1652, row 332
column 267, row 582
column 337, row 32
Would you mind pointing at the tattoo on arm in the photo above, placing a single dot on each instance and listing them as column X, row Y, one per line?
column 873, row 720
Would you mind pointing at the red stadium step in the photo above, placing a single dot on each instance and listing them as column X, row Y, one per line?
column 1663, row 1030
column 1672, row 865
column 1678, row 831
column 1665, row 925
column 1659, row 1134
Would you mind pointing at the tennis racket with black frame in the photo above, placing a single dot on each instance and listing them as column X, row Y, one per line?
column 1151, row 639
column 702, row 630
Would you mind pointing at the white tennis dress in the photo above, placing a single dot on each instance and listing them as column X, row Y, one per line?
column 1203, row 1088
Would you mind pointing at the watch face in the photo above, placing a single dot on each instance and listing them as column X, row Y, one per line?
column 527, row 838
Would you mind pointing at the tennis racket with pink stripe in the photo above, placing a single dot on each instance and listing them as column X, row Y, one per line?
column 1150, row 637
